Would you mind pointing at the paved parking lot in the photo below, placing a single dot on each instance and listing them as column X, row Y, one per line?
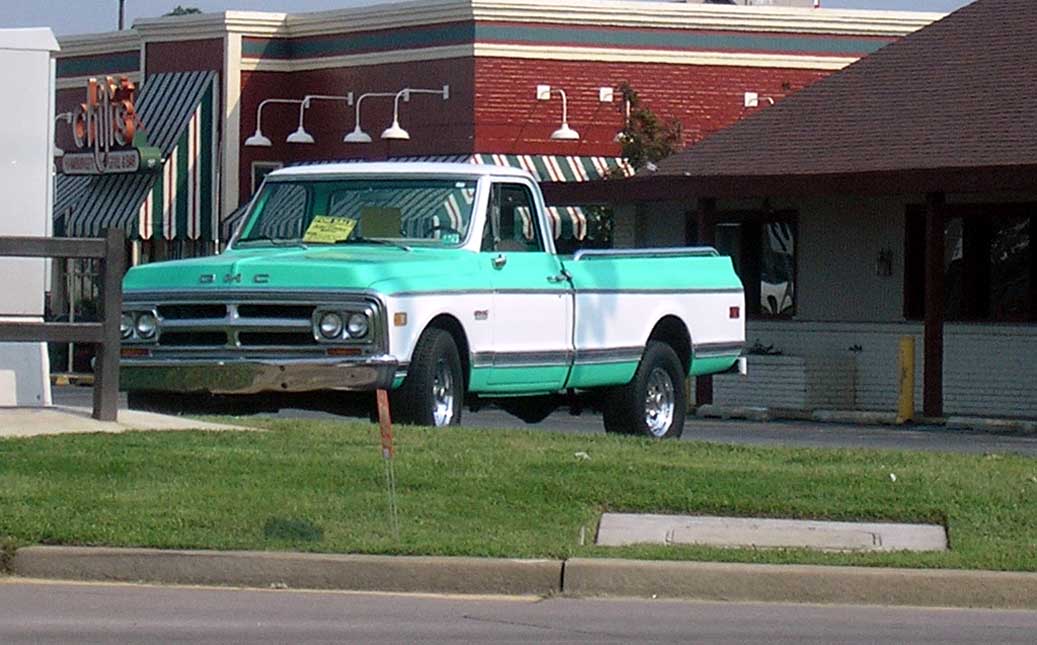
column 782, row 433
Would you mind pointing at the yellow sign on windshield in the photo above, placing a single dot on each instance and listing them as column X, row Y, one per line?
column 328, row 230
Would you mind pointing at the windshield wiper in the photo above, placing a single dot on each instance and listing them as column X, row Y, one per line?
column 274, row 241
column 369, row 240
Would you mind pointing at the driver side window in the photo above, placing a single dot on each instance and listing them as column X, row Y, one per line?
column 513, row 211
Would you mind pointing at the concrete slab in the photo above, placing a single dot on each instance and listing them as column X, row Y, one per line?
column 31, row 422
column 619, row 529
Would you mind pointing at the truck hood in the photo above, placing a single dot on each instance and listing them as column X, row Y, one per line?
column 298, row 268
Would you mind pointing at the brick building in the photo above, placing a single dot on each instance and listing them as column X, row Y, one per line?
column 203, row 77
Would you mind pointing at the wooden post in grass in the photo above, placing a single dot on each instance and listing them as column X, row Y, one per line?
column 388, row 457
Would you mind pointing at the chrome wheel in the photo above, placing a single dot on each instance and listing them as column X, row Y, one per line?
column 659, row 402
column 442, row 394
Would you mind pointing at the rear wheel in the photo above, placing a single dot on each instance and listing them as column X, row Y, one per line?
column 654, row 402
column 433, row 392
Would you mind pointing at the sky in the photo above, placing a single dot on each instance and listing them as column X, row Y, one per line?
column 90, row 16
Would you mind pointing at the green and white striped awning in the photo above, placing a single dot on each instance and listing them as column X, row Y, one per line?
column 178, row 114
column 569, row 222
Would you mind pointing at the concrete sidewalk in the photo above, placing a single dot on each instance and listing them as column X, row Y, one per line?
column 577, row 577
column 30, row 422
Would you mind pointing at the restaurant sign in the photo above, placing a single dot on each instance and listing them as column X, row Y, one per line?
column 107, row 129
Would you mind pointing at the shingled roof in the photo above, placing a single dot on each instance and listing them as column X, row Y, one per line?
column 960, row 93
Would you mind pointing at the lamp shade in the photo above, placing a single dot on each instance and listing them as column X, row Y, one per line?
column 258, row 140
column 357, row 136
column 300, row 136
column 565, row 133
column 394, row 131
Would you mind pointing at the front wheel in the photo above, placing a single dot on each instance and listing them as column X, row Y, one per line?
column 433, row 392
column 654, row 402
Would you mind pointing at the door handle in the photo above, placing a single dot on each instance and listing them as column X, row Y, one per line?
column 499, row 261
column 561, row 277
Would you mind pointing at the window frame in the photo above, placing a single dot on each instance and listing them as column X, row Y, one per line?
column 757, row 219
column 974, row 217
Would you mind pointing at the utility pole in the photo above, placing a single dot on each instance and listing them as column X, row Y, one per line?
column 122, row 14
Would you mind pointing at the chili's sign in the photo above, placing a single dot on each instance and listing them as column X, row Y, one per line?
column 107, row 130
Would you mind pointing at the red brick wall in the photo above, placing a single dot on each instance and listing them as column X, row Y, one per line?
column 184, row 56
column 509, row 119
column 436, row 126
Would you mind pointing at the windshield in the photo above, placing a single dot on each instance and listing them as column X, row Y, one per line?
column 411, row 211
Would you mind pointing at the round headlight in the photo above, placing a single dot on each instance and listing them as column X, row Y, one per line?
column 126, row 326
column 330, row 325
column 357, row 327
column 146, row 325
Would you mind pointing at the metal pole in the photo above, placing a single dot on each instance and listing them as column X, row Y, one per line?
column 122, row 14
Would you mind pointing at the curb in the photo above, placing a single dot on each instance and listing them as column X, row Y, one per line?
column 576, row 577
column 801, row 584
column 292, row 570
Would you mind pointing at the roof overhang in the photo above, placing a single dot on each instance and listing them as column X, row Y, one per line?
column 650, row 188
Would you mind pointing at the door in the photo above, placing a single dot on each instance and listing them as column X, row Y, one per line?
column 532, row 301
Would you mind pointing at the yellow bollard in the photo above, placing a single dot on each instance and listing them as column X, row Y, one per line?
column 906, row 365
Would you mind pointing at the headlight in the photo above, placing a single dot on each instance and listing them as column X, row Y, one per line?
column 146, row 325
column 126, row 326
column 357, row 326
column 330, row 325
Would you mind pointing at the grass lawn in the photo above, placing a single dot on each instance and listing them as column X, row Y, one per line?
column 320, row 486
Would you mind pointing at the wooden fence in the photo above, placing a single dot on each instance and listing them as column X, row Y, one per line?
column 111, row 250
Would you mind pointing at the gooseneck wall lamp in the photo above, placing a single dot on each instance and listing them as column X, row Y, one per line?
column 301, row 135
column 394, row 131
column 258, row 139
column 358, row 135
column 563, row 133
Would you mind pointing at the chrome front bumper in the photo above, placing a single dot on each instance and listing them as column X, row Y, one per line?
column 254, row 375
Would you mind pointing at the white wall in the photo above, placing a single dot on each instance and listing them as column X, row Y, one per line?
column 989, row 369
column 26, row 159
column 839, row 244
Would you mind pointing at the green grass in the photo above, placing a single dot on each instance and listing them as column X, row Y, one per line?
column 318, row 486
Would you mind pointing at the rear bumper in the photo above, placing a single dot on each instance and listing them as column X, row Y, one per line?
column 251, row 376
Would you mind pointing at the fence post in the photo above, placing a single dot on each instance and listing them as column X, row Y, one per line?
column 106, row 373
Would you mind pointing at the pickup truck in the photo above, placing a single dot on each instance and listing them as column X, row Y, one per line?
column 439, row 282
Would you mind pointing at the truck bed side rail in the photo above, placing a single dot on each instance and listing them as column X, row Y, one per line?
column 691, row 251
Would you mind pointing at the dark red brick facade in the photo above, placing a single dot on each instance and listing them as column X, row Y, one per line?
column 509, row 119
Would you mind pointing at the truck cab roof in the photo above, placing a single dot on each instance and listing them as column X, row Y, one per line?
column 395, row 168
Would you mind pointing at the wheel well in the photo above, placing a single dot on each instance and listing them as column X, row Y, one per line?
column 672, row 331
column 452, row 326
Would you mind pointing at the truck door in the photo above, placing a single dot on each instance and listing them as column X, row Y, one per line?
column 532, row 312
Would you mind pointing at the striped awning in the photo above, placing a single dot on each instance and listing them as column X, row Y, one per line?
column 568, row 221
column 68, row 190
column 178, row 114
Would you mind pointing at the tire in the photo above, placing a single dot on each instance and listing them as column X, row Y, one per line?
column 654, row 402
column 433, row 392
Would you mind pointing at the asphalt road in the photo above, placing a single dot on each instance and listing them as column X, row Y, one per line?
column 773, row 433
column 43, row 612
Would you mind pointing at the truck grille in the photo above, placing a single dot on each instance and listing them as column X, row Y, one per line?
column 194, row 326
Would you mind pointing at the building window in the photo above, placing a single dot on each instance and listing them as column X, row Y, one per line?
column 260, row 169
column 990, row 268
column 762, row 246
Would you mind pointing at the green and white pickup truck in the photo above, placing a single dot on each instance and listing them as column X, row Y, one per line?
column 441, row 283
